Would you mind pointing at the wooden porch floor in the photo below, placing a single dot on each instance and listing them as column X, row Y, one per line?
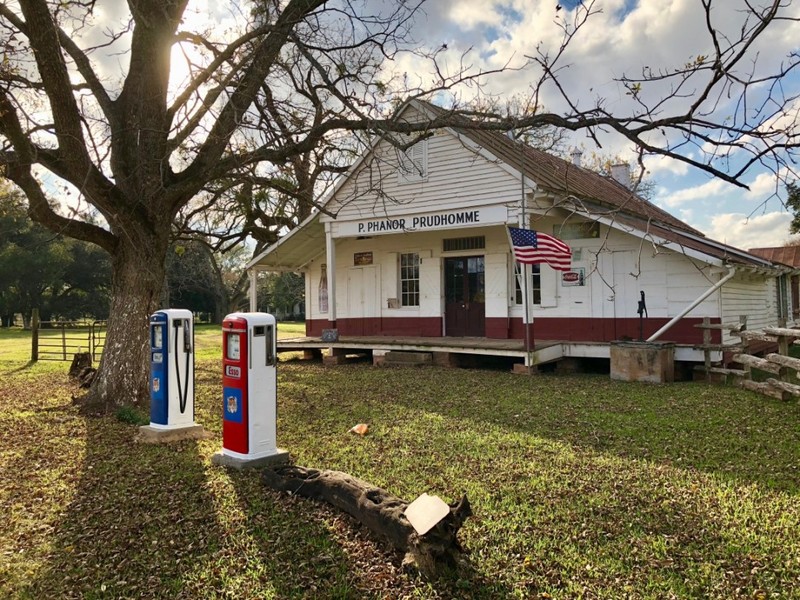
column 459, row 345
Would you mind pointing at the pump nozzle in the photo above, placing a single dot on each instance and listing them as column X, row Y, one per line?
column 187, row 337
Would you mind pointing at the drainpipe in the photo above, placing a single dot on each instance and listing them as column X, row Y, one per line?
column 693, row 305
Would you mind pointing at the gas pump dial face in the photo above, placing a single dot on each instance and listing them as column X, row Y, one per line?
column 158, row 336
column 233, row 346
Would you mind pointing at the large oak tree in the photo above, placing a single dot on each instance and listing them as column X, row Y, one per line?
column 291, row 84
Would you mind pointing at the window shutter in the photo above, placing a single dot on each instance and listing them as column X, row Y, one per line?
column 413, row 163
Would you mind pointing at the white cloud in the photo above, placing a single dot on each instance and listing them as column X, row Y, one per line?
column 469, row 15
column 705, row 191
column 764, row 185
column 736, row 229
column 664, row 165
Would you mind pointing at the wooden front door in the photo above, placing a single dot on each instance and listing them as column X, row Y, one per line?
column 465, row 296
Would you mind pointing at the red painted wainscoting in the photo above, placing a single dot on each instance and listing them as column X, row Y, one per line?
column 601, row 330
column 563, row 329
column 397, row 326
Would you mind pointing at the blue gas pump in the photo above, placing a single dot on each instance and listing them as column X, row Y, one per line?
column 171, row 369
column 159, row 382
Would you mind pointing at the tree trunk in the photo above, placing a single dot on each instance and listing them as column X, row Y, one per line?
column 137, row 278
column 382, row 513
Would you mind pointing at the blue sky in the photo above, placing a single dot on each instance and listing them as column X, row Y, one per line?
column 621, row 38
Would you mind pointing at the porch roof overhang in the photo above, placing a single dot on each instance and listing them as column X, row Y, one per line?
column 295, row 250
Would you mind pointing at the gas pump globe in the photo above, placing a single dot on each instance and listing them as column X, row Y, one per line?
column 249, row 391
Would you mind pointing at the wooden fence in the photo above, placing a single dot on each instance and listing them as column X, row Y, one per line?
column 785, row 368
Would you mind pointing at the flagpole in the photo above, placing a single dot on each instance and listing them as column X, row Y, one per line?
column 526, row 269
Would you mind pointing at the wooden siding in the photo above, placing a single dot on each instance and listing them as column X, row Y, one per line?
column 376, row 191
column 751, row 295
column 617, row 267
column 542, row 329
column 670, row 281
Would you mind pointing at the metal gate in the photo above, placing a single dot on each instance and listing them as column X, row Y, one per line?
column 61, row 340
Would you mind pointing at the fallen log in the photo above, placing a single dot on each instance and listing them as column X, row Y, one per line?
column 381, row 512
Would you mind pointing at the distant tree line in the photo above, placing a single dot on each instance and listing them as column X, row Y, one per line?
column 64, row 278
column 67, row 279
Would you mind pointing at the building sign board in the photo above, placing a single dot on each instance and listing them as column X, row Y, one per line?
column 447, row 219
column 577, row 231
column 362, row 258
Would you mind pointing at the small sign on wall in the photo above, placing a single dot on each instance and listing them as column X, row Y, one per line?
column 577, row 231
column 362, row 258
column 573, row 277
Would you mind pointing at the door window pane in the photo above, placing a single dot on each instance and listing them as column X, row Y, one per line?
column 454, row 280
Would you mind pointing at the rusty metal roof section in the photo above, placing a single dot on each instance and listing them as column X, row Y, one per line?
column 598, row 195
column 786, row 255
column 655, row 231
column 563, row 178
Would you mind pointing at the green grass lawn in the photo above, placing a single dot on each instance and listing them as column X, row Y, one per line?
column 581, row 487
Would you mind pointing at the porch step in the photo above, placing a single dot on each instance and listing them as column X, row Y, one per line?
column 396, row 358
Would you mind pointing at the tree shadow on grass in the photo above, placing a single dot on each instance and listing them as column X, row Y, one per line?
column 24, row 367
column 158, row 521
column 139, row 516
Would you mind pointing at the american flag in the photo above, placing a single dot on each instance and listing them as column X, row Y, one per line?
column 531, row 248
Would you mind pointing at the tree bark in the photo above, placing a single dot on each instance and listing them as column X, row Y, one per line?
column 124, row 370
column 381, row 513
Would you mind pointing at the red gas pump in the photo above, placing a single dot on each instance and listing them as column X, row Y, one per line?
column 234, row 385
column 249, row 391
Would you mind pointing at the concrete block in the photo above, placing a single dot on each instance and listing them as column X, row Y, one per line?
column 651, row 362
column 521, row 369
column 333, row 360
column 446, row 359
column 408, row 359
column 156, row 435
column 281, row 457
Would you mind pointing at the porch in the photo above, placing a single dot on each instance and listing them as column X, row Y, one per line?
column 446, row 351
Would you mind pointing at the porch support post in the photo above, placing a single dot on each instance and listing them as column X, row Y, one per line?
column 253, row 274
column 330, row 251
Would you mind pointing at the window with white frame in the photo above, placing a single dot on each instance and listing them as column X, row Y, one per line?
column 409, row 279
column 413, row 163
column 534, row 288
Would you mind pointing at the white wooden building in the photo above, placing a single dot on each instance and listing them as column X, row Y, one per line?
column 414, row 244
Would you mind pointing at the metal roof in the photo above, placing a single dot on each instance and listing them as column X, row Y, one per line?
column 787, row 255
column 294, row 250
